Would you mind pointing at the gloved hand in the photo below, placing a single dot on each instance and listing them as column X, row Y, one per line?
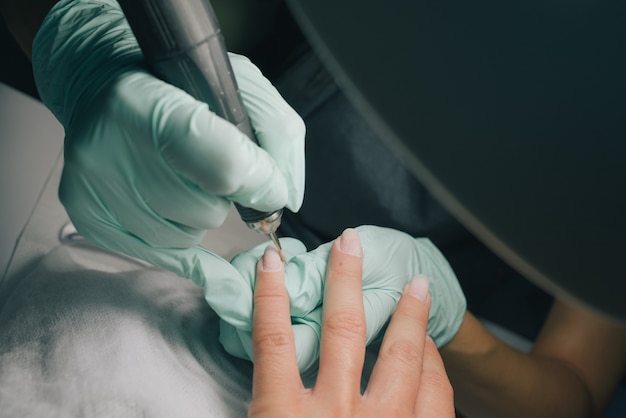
column 148, row 169
column 390, row 259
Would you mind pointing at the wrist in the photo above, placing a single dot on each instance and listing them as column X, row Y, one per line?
column 472, row 339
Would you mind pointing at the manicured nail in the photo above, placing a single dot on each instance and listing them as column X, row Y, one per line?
column 349, row 243
column 271, row 259
column 418, row 287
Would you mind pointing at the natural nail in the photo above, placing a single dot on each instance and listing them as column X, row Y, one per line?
column 271, row 259
column 349, row 243
column 418, row 287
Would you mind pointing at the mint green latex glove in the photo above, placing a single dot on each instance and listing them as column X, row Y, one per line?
column 148, row 169
column 390, row 259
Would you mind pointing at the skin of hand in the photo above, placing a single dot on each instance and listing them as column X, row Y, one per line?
column 390, row 258
column 575, row 365
column 408, row 380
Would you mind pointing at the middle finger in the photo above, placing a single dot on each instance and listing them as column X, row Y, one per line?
column 342, row 350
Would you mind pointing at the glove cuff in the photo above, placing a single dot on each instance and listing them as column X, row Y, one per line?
column 80, row 47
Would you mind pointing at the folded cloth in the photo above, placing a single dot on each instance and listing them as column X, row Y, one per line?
column 90, row 334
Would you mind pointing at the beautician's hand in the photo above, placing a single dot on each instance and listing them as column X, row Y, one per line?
column 148, row 169
column 409, row 379
column 390, row 259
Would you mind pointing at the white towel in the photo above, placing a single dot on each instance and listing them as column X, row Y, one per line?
column 116, row 340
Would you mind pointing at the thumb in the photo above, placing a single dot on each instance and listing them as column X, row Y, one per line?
column 278, row 127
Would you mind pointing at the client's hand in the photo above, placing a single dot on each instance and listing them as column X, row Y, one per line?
column 390, row 259
column 409, row 379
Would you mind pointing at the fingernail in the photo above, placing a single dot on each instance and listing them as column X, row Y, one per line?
column 418, row 287
column 271, row 260
column 349, row 243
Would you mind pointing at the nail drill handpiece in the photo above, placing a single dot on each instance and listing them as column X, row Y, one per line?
column 183, row 45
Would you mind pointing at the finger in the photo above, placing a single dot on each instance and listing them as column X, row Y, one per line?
column 279, row 129
column 342, row 350
column 399, row 363
column 215, row 155
column 275, row 363
column 141, row 173
column 436, row 396
column 211, row 152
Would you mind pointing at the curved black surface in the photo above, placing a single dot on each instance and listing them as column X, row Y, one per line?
column 512, row 113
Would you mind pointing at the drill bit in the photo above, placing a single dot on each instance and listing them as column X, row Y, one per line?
column 277, row 244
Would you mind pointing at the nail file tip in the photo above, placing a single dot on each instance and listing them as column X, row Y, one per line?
column 278, row 246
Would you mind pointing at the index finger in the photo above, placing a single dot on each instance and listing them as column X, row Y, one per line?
column 275, row 363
